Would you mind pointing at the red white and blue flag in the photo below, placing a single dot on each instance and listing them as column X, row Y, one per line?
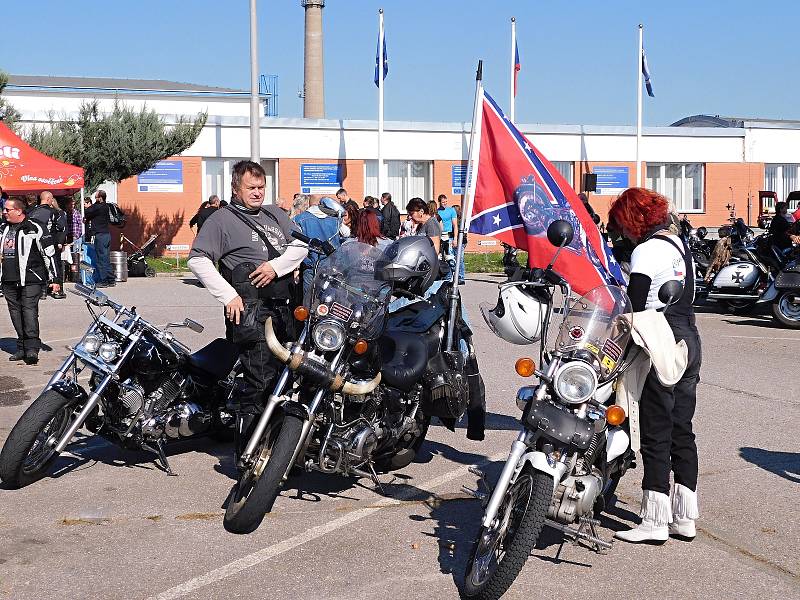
column 517, row 66
column 518, row 193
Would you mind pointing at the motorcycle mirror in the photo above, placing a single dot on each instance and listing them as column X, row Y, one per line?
column 670, row 292
column 332, row 208
column 560, row 233
column 702, row 232
column 193, row 325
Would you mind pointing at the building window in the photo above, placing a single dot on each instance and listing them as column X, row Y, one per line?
column 682, row 183
column 217, row 178
column 405, row 179
column 781, row 179
column 566, row 169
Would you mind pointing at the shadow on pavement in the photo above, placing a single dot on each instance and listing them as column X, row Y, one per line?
column 783, row 464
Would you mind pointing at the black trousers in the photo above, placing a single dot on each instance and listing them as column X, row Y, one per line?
column 665, row 414
column 23, row 306
column 259, row 366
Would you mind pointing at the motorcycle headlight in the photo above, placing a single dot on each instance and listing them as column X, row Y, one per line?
column 575, row 382
column 109, row 351
column 328, row 335
column 91, row 343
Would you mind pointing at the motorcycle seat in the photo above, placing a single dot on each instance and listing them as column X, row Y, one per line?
column 404, row 358
column 215, row 359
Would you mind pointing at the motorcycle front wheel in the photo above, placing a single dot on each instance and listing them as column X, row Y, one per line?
column 255, row 492
column 786, row 309
column 500, row 551
column 30, row 448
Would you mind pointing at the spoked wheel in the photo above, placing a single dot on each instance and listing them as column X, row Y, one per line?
column 500, row 551
column 786, row 309
column 30, row 447
column 149, row 272
column 254, row 494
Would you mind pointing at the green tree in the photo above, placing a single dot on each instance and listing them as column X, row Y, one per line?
column 117, row 145
column 8, row 114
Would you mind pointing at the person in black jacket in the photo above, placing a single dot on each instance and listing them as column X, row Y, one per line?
column 48, row 214
column 206, row 210
column 27, row 262
column 96, row 215
column 780, row 227
column 391, row 217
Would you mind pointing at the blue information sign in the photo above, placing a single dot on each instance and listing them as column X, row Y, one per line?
column 459, row 179
column 165, row 176
column 320, row 179
column 611, row 180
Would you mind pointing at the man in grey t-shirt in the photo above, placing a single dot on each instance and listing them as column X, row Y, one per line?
column 257, row 258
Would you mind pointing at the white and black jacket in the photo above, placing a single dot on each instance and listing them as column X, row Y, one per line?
column 31, row 236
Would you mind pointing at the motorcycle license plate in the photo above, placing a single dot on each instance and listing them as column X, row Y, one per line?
column 558, row 425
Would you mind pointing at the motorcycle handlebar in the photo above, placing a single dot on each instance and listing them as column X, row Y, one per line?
column 317, row 245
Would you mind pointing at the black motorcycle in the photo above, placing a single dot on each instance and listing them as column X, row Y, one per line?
column 360, row 385
column 145, row 388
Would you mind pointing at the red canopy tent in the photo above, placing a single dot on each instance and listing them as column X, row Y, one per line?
column 24, row 170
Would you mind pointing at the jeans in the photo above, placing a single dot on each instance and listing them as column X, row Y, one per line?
column 102, row 249
column 665, row 415
column 23, row 307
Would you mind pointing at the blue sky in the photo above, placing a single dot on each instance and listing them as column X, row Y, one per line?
column 578, row 57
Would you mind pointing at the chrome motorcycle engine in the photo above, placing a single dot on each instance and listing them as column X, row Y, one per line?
column 575, row 497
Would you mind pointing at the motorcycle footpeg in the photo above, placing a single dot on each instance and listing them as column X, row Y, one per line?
column 474, row 493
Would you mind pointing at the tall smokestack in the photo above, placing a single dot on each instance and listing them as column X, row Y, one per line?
column 314, row 76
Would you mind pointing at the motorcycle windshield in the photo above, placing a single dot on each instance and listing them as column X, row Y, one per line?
column 597, row 329
column 348, row 288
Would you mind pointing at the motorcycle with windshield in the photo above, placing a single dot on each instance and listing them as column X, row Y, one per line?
column 573, row 449
column 361, row 383
column 146, row 388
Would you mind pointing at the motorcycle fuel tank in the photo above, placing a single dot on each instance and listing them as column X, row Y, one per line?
column 740, row 275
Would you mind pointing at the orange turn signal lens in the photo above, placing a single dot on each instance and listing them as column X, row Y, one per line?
column 525, row 367
column 615, row 415
column 360, row 346
column 301, row 313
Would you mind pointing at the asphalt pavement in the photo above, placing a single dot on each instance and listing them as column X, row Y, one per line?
column 109, row 524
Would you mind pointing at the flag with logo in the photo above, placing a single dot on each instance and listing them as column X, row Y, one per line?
column 518, row 193
column 517, row 66
column 646, row 74
column 381, row 34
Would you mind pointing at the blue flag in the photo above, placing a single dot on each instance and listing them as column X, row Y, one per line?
column 646, row 72
column 378, row 58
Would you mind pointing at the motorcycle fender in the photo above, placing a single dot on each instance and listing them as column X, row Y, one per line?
column 770, row 294
column 617, row 442
column 69, row 389
column 295, row 408
column 538, row 460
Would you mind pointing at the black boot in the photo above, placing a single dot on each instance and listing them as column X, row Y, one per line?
column 18, row 355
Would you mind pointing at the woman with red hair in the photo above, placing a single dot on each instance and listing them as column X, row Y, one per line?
column 368, row 230
column 668, row 442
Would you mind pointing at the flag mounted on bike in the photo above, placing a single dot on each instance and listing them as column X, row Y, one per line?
column 518, row 193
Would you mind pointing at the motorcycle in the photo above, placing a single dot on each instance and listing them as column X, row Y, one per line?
column 572, row 451
column 701, row 249
column 146, row 388
column 360, row 384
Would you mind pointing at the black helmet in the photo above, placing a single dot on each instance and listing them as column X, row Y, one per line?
column 411, row 263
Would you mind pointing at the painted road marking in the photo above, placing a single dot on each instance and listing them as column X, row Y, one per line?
column 761, row 337
column 263, row 555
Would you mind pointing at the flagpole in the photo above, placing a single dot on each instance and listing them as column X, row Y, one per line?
column 469, row 200
column 380, row 102
column 511, row 113
column 639, row 111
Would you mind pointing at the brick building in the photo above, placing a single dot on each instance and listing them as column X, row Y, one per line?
column 708, row 166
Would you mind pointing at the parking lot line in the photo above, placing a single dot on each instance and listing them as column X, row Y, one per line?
column 263, row 555
column 761, row 337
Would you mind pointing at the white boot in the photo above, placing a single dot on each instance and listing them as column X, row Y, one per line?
column 684, row 512
column 656, row 516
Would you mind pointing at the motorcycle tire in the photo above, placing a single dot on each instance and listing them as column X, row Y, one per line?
column 149, row 272
column 785, row 311
column 255, row 492
column 523, row 521
column 26, row 457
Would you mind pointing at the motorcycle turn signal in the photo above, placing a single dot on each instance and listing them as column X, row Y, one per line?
column 301, row 313
column 360, row 347
column 525, row 367
column 615, row 415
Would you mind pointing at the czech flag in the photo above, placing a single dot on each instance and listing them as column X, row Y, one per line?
column 518, row 193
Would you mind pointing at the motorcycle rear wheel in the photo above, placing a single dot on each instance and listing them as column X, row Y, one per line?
column 255, row 492
column 500, row 553
column 30, row 447
column 786, row 309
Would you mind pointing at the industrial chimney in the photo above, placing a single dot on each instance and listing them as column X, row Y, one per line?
column 314, row 77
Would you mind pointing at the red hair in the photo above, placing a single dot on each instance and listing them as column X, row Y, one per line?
column 638, row 211
column 368, row 230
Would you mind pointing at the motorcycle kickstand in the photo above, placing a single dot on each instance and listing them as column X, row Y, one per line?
column 477, row 493
column 162, row 456
column 375, row 479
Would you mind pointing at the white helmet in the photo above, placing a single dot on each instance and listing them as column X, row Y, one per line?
column 517, row 317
